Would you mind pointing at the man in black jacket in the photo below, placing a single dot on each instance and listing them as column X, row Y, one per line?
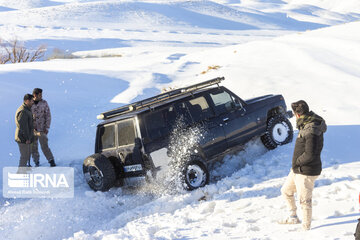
column 306, row 163
column 24, row 133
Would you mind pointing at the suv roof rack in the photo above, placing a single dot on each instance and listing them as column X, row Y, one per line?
column 158, row 98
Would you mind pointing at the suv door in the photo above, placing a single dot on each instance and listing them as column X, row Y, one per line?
column 201, row 113
column 229, row 109
column 127, row 149
column 157, row 126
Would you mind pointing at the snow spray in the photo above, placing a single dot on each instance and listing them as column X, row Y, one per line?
column 183, row 142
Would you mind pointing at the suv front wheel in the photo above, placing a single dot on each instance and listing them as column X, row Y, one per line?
column 99, row 172
column 279, row 131
column 195, row 175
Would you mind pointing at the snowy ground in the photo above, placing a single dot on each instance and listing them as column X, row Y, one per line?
column 260, row 46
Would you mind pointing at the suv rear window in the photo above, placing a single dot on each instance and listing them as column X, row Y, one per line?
column 107, row 137
column 126, row 132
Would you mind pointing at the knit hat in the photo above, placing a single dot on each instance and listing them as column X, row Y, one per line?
column 300, row 107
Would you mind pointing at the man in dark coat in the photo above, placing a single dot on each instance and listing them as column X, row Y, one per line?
column 24, row 133
column 306, row 163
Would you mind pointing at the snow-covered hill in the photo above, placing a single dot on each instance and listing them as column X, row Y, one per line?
column 260, row 47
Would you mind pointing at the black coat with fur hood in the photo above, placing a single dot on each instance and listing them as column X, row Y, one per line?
column 308, row 146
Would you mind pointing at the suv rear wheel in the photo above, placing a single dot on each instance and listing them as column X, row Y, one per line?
column 99, row 172
column 279, row 131
column 195, row 175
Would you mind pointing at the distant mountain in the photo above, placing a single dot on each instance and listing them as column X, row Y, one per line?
column 149, row 14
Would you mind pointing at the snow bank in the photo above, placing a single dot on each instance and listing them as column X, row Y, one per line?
column 247, row 204
column 317, row 66
column 160, row 50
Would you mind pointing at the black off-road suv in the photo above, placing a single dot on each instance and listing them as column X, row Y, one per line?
column 134, row 140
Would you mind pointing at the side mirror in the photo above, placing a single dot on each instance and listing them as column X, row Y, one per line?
column 242, row 110
column 237, row 103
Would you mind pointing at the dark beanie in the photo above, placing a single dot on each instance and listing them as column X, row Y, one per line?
column 28, row 96
column 37, row 91
column 300, row 107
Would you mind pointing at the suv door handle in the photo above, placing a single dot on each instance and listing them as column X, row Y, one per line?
column 122, row 156
column 226, row 119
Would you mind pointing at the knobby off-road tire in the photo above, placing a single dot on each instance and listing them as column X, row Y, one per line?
column 99, row 172
column 279, row 131
column 195, row 175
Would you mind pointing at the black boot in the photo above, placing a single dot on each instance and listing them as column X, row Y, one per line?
column 52, row 163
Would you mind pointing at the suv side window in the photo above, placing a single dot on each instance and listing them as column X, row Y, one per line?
column 183, row 113
column 126, row 132
column 223, row 102
column 199, row 109
column 159, row 122
column 107, row 136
